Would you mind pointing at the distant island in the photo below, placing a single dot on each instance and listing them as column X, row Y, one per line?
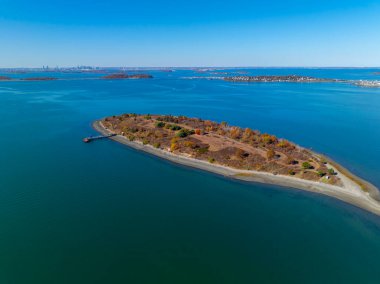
column 126, row 76
column 279, row 79
column 289, row 79
column 238, row 153
column 368, row 83
column 39, row 79
column 115, row 76
column 6, row 78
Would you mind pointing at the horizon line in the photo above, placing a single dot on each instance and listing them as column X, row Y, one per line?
column 192, row 67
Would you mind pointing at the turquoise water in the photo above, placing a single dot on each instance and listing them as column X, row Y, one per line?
column 102, row 213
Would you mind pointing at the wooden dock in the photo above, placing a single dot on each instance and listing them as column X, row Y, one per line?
column 93, row 138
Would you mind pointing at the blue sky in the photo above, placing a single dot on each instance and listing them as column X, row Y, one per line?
column 189, row 33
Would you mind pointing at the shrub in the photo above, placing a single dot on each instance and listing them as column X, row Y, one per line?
column 268, row 139
column 221, row 132
column 211, row 160
column 321, row 174
column 166, row 118
column 284, row 144
column 145, row 141
column 160, row 124
column 291, row 161
column 189, row 144
column 202, row 150
column 235, row 132
column 156, row 145
column 174, row 140
column 147, row 116
column 173, row 146
column 184, row 133
column 158, row 134
column 248, row 134
column 131, row 138
column 306, row 165
column 133, row 129
column 198, row 131
column 331, row 171
column 175, row 127
column 291, row 172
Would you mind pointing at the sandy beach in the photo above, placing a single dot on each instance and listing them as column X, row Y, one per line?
column 351, row 192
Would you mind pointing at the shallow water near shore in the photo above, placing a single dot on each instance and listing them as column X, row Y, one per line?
column 103, row 213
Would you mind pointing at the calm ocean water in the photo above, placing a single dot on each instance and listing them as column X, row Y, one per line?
column 103, row 213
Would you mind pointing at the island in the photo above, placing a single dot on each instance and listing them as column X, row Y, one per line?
column 279, row 79
column 238, row 153
column 290, row 79
column 126, row 76
column 39, row 79
column 368, row 83
column 5, row 78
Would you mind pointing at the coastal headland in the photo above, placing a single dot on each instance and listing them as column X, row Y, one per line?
column 237, row 153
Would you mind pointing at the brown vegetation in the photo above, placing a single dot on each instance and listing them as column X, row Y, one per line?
column 221, row 144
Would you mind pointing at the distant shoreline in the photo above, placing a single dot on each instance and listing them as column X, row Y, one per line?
column 232, row 79
column 288, row 79
column 352, row 194
column 118, row 76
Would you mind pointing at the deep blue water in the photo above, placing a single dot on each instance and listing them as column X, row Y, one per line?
column 102, row 213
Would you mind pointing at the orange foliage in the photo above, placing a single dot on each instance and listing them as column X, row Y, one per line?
column 235, row 132
column 270, row 154
column 285, row 144
column 173, row 146
column 174, row 140
column 248, row 134
column 221, row 132
column 268, row 139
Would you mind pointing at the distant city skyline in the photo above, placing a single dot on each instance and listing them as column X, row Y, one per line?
column 169, row 33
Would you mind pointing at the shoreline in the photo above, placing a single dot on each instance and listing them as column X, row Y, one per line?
column 352, row 192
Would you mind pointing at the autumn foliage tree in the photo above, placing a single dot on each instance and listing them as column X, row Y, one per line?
column 268, row 139
column 173, row 144
column 248, row 135
column 235, row 132
column 285, row 144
